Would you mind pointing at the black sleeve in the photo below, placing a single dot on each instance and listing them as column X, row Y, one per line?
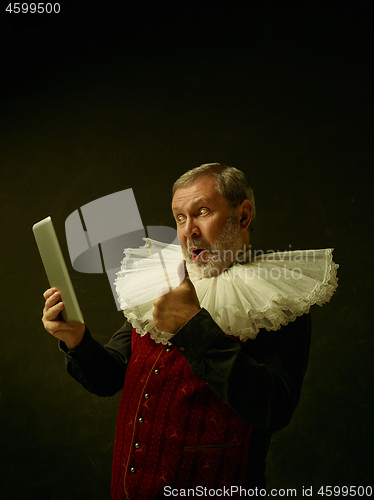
column 100, row 369
column 260, row 379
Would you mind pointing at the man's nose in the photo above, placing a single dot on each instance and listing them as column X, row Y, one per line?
column 191, row 229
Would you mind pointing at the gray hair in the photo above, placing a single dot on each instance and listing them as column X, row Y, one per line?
column 231, row 183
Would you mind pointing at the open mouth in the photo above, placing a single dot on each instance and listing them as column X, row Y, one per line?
column 197, row 252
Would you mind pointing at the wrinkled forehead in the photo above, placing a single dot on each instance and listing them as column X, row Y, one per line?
column 197, row 192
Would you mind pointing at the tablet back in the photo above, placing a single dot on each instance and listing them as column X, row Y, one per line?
column 55, row 267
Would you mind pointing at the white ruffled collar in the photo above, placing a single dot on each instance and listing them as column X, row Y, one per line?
column 268, row 291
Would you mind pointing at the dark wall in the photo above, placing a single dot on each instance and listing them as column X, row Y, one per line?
column 99, row 99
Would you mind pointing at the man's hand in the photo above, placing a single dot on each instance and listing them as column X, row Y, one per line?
column 70, row 333
column 175, row 308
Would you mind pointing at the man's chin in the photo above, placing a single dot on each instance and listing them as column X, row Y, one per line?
column 199, row 270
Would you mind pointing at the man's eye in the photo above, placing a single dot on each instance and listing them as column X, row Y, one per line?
column 180, row 218
column 203, row 211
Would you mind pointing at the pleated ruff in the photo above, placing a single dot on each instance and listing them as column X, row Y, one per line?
column 269, row 291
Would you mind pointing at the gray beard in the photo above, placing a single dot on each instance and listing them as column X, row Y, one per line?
column 227, row 248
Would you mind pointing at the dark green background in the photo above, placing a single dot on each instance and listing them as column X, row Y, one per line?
column 101, row 99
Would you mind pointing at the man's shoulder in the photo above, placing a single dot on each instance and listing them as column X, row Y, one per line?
column 294, row 334
column 301, row 324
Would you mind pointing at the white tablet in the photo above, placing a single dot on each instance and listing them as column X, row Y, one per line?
column 55, row 267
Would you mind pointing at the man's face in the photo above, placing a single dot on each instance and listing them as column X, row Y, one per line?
column 208, row 229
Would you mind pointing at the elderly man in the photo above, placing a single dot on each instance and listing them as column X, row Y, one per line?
column 198, row 412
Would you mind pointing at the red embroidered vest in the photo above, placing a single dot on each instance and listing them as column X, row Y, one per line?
column 172, row 429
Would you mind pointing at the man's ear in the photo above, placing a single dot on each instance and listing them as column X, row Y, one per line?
column 245, row 214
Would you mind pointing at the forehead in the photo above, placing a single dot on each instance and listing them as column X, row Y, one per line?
column 202, row 190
